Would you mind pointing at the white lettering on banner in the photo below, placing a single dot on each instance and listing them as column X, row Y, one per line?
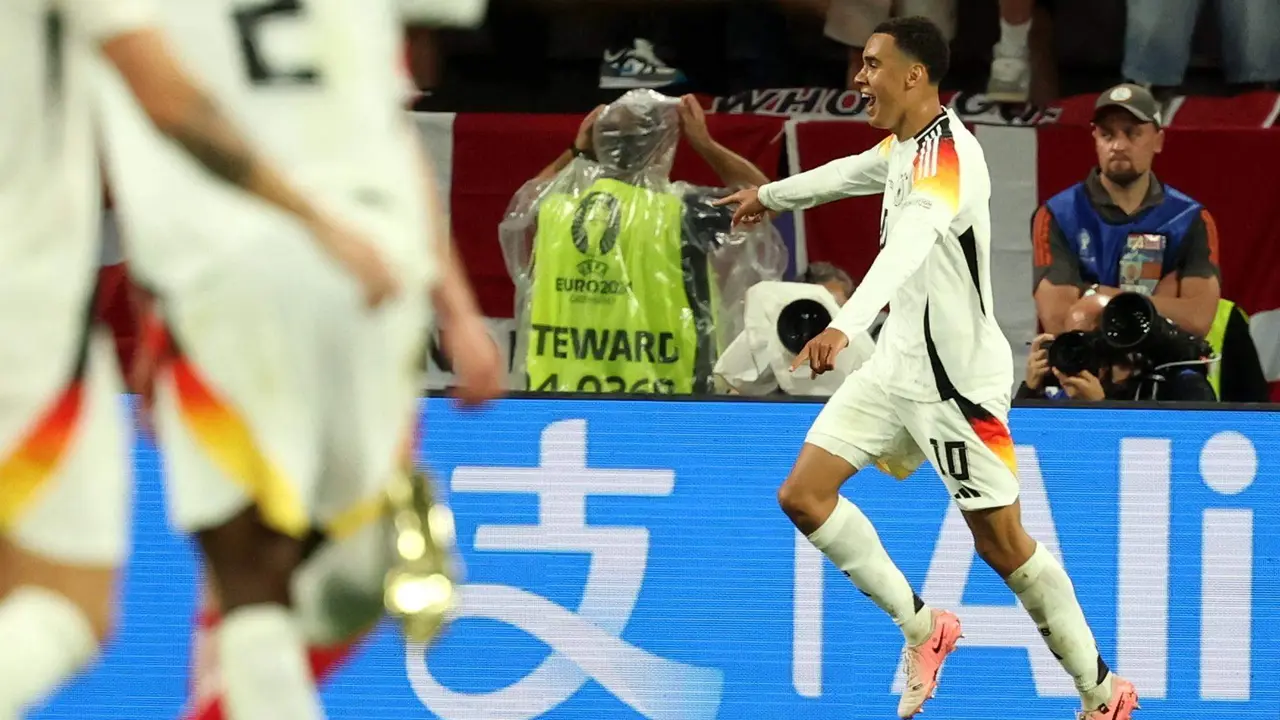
column 977, row 108
column 997, row 625
column 1142, row 578
column 1228, row 465
column 850, row 104
column 794, row 101
column 586, row 644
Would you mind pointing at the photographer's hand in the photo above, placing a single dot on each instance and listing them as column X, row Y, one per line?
column 1038, row 362
column 1084, row 386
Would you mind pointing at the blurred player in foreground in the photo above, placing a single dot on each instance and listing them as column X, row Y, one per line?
column 286, row 408
column 63, row 486
column 940, row 377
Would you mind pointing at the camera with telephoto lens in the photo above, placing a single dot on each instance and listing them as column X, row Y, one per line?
column 1132, row 325
column 1133, row 332
column 1075, row 352
column 801, row 321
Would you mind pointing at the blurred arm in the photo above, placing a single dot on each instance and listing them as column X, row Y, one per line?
column 451, row 295
column 176, row 106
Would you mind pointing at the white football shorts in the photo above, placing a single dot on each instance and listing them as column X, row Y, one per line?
column 64, row 477
column 285, row 391
column 968, row 443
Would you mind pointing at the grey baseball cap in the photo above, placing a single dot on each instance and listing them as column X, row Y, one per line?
column 1137, row 100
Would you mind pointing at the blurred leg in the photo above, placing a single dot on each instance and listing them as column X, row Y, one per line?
column 1015, row 24
column 1010, row 79
column 1157, row 41
column 1044, row 63
column 424, row 58
column 1250, row 46
column 850, row 22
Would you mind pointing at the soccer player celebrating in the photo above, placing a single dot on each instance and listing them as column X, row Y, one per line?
column 286, row 405
column 940, row 379
column 63, row 483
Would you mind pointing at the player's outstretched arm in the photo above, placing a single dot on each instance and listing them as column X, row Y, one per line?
column 909, row 244
column 923, row 221
column 862, row 174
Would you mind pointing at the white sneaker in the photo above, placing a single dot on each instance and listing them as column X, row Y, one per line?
column 1010, row 80
column 637, row 67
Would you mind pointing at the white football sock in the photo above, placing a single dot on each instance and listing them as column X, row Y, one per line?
column 850, row 540
column 265, row 673
column 1013, row 39
column 1049, row 598
column 45, row 638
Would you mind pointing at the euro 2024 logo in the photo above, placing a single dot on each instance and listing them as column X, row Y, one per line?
column 586, row 644
column 598, row 219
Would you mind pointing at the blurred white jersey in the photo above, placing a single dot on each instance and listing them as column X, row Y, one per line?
column 50, row 196
column 62, row 442
column 934, row 268
column 319, row 87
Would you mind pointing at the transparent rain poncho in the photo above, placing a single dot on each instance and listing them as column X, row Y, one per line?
column 627, row 282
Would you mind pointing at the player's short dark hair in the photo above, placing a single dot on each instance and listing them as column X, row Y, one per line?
column 923, row 41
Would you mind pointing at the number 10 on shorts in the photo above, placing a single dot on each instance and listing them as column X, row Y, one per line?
column 952, row 461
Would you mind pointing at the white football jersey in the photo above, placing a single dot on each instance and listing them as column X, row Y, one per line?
column 50, row 192
column 934, row 268
column 318, row 87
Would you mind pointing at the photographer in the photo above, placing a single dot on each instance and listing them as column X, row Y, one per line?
column 1118, row 349
column 780, row 318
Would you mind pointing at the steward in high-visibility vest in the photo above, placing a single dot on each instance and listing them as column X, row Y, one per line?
column 621, row 300
column 1238, row 374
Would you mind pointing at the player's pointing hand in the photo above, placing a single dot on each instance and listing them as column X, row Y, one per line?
column 820, row 353
column 750, row 210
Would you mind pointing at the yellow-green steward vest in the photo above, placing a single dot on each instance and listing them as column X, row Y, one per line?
column 1217, row 337
column 610, row 307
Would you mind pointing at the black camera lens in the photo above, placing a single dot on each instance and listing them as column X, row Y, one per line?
column 1074, row 352
column 1127, row 320
column 801, row 321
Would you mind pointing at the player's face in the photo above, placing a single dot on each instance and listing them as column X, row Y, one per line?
column 883, row 79
column 1126, row 146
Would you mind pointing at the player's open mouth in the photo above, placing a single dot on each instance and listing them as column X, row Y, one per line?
column 871, row 100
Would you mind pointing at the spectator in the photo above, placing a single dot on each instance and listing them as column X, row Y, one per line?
column 1022, row 62
column 1158, row 36
column 1122, row 223
column 850, row 23
column 622, row 276
column 781, row 317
